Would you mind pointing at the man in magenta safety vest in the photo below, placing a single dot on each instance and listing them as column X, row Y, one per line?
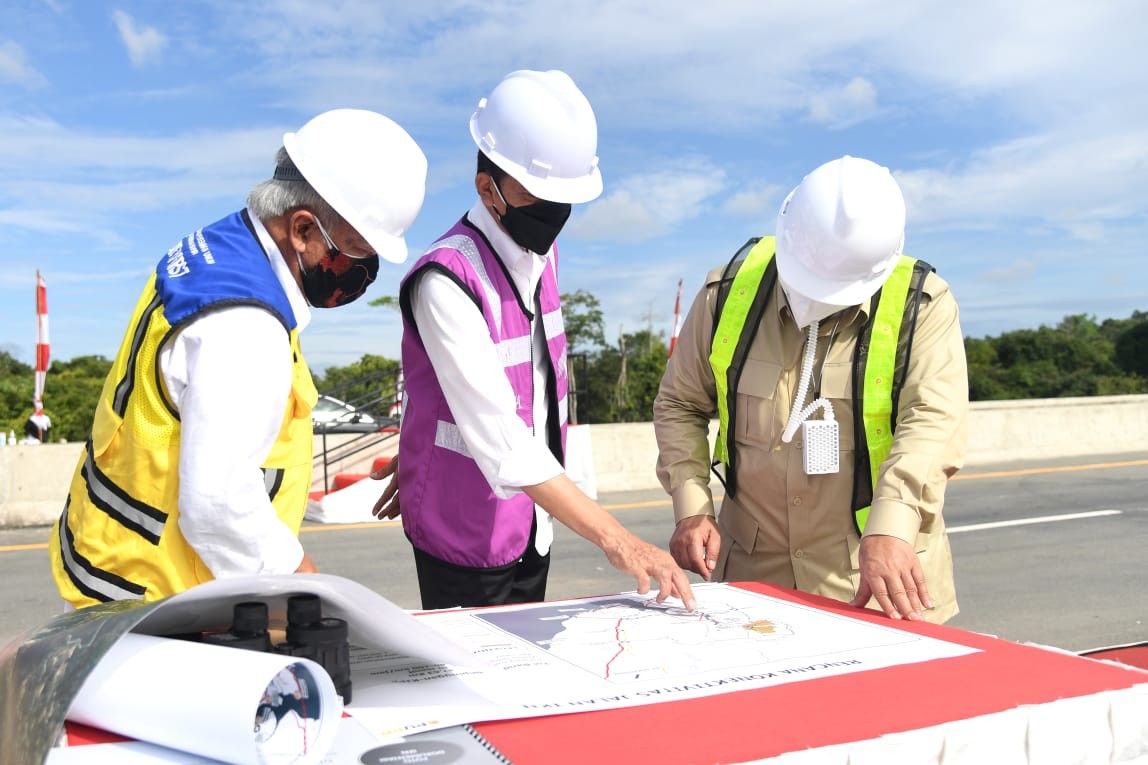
column 481, row 448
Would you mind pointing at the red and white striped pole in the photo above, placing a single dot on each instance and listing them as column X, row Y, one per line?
column 42, row 342
column 677, row 319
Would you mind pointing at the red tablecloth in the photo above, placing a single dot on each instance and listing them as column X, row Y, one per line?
column 811, row 714
column 755, row 724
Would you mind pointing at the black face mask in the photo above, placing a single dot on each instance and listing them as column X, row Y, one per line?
column 337, row 279
column 534, row 226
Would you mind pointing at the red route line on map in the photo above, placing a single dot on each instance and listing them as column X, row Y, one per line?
column 618, row 637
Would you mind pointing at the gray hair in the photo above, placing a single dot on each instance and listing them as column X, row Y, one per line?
column 287, row 190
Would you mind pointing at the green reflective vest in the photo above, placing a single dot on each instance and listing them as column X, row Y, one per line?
column 879, row 361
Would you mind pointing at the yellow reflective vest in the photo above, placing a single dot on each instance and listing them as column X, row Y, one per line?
column 883, row 347
column 118, row 536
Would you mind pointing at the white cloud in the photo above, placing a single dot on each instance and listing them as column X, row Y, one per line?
column 1022, row 123
column 87, row 175
column 1033, row 57
column 14, row 66
column 59, row 148
column 1020, row 271
column 759, row 201
column 650, row 204
column 1042, row 54
column 1067, row 181
column 1086, row 231
column 18, row 277
column 144, row 43
column 844, row 106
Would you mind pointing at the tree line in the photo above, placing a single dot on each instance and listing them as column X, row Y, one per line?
column 616, row 381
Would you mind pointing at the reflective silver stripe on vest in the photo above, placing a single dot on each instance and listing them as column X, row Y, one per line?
column 553, row 323
column 466, row 246
column 141, row 518
column 514, row 351
column 273, row 480
column 124, row 388
column 447, row 436
column 93, row 582
column 554, row 327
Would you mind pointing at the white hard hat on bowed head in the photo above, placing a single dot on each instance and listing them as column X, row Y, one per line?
column 841, row 232
column 368, row 169
column 539, row 128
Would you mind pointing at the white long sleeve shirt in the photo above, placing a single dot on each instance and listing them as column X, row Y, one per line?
column 466, row 363
column 229, row 375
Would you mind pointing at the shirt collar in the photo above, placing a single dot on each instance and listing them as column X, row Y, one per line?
column 283, row 273
column 525, row 267
column 848, row 315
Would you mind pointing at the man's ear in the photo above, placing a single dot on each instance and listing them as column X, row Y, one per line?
column 299, row 225
column 484, row 185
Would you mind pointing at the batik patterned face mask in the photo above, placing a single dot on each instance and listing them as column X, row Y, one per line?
column 338, row 278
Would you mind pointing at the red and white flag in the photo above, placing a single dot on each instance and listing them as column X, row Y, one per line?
column 677, row 319
column 42, row 355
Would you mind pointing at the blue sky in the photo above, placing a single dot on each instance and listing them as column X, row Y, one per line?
column 1018, row 131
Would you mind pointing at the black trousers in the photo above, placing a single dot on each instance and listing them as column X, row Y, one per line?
column 446, row 585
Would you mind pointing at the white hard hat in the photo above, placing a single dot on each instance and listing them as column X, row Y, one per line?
column 368, row 169
column 540, row 129
column 840, row 232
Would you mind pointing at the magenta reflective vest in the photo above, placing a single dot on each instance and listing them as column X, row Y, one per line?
column 448, row 508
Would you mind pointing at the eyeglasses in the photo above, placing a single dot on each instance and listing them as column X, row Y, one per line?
column 335, row 251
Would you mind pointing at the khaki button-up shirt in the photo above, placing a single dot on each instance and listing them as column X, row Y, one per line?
column 793, row 529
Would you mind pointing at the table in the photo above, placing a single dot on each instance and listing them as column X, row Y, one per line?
column 1008, row 703
column 1003, row 703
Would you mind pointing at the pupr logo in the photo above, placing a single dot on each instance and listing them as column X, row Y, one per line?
column 176, row 262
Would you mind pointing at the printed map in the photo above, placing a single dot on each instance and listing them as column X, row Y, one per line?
column 630, row 639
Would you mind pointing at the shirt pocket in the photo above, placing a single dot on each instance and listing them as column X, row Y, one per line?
column 755, row 402
column 837, row 387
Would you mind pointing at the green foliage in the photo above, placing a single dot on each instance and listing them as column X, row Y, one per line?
column 585, row 326
column 386, row 301
column 612, row 397
column 1114, row 328
column 10, row 368
column 368, row 383
column 71, row 392
column 1131, row 348
column 1076, row 358
column 16, row 385
column 986, row 379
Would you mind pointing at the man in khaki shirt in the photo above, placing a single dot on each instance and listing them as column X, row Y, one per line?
column 839, row 236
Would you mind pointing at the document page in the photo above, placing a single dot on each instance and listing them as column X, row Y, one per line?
column 620, row 650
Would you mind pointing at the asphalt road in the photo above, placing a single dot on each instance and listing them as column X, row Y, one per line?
column 1048, row 552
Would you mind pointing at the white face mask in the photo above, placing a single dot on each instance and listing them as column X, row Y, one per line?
column 806, row 311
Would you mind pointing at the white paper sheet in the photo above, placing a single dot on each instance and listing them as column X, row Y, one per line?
column 229, row 704
column 618, row 651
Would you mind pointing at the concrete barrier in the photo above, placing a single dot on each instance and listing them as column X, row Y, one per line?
column 1007, row 431
column 999, row 432
column 34, row 482
column 34, row 479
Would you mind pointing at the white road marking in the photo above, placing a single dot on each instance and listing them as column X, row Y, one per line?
column 1027, row 521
